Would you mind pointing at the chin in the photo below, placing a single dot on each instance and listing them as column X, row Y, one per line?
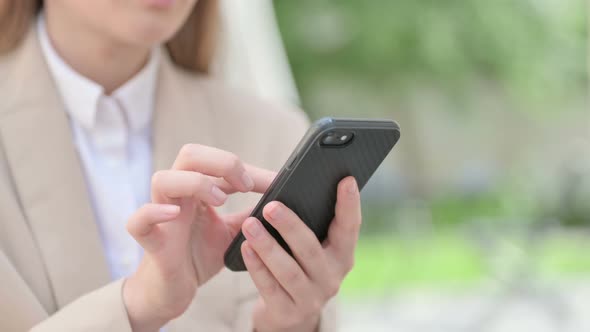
column 148, row 25
column 152, row 34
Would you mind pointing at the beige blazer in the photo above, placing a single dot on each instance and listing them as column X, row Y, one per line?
column 53, row 273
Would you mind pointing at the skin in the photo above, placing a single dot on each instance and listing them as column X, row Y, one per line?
column 109, row 41
column 183, row 237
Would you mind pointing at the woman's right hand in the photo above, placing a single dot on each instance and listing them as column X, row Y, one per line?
column 182, row 236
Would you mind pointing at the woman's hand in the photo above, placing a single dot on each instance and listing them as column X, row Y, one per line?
column 182, row 236
column 294, row 290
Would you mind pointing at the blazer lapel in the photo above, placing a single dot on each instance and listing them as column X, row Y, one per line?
column 178, row 120
column 47, row 173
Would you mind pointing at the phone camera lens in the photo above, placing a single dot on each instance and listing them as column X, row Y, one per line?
column 336, row 139
column 329, row 139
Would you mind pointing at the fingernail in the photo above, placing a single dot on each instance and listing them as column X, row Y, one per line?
column 247, row 181
column 352, row 187
column 249, row 251
column 218, row 194
column 169, row 210
column 275, row 212
column 254, row 228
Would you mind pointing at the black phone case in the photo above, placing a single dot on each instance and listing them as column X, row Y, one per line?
column 308, row 181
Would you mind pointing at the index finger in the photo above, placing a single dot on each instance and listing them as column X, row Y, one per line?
column 262, row 179
column 214, row 162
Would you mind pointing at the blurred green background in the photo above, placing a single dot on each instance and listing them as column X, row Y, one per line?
column 490, row 177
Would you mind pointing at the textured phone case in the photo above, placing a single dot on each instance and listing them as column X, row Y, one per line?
column 307, row 183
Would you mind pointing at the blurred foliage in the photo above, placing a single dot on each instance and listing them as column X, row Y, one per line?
column 391, row 263
column 572, row 206
column 534, row 51
column 385, row 265
column 530, row 52
column 383, row 55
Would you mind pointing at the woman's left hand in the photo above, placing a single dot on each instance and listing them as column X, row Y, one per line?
column 293, row 291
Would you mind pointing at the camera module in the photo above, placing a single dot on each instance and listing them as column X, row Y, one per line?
column 335, row 139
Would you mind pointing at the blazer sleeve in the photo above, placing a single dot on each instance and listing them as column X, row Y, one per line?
column 98, row 311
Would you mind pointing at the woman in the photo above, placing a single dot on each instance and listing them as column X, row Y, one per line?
column 88, row 99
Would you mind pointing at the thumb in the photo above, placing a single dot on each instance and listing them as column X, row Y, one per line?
column 234, row 221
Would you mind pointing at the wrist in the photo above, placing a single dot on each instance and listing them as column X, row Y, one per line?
column 139, row 311
column 311, row 324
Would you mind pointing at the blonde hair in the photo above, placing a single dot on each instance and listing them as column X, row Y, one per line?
column 192, row 47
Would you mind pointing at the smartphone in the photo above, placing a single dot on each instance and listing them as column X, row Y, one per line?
column 331, row 150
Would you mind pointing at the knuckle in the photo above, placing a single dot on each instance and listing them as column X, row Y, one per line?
column 130, row 227
column 158, row 179
column 257, row 267
column 311, row 252
column 232, row 163
column 184, row 152
column 133, row 222
column 349, row 264
column 270, row 288
column 313, row 307
column 267, row 246
column 332, row 289
column 293, row 275
column 199, row 180
column 188, row 149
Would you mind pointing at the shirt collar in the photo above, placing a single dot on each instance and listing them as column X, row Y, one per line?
column 81, row 95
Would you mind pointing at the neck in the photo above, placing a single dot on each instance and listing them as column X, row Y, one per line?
column 108, row 62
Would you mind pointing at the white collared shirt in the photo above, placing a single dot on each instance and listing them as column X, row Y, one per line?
column 113, row 137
